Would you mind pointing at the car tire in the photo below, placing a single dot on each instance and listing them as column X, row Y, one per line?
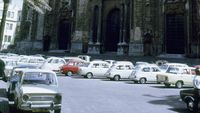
column 89, row 75
column 179, row 84
column 190, row 105
column 142, row 81
column 167, row 85
column 57, row 111
column 69, row 73
column 116, row 78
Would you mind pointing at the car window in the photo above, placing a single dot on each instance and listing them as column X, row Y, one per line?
column 95, row 65
column 23, row 60
column 39, row 78
column 128, row 67
column 172, row 70
column 105, row 65
column 146, row 69
column 154, row 69
column 61, row 61
column 120, row 67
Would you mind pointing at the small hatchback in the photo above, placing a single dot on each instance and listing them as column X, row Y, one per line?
column 145, row 73
column 120, row 70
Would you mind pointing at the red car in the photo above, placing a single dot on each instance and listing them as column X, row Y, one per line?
column 72, row 67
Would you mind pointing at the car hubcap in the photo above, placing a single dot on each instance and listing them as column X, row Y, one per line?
column 190, row 105
column 69, row 73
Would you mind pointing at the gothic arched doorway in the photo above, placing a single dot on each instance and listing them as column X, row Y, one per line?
column 112, row 30
column 175, row 41
column 64, row 35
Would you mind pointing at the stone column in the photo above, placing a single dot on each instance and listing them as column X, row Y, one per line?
column 94, row 48
column 122, row 46
column 135, row 44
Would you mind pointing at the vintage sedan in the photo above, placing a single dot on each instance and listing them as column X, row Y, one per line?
column 37, row 91
column 120, row 70
column 164, row 67
column 94, row 69
column 145, row 73
column 177, row 76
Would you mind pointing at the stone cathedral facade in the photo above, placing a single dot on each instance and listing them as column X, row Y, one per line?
column 122, row 27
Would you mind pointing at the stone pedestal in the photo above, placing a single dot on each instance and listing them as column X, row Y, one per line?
column 76, row 47
column 136, row 49
column 94, row 48
column 122, row 48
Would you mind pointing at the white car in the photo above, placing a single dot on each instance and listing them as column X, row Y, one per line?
column 145, row 73
column 164, row 67
column 94, row 69
column 37, row 91
column 177, row 76
column 53, row 64
column 32, row 60
column 120, row 70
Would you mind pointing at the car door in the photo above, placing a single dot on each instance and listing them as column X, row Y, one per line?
column 95, row 69
column 104, row 68
column 128, row 69
column 187, row 77
column 154, row 72
column 146, row 73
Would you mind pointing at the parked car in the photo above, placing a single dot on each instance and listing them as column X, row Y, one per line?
column 53, row 64
column 177, row 76
column 94, row 69
column 37, row 90
column 145, row 73
column 164, row 67
column 12, row 79
column 72, row 67
column 33, row 60
column 120, row 70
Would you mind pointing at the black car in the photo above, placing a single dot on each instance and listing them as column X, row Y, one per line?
column 188, row 97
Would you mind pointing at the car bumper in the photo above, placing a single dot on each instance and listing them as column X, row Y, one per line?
column 39, row 106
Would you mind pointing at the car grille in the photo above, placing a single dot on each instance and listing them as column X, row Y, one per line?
column 41, row 98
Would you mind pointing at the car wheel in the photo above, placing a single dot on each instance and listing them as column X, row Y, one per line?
column 116, row 78
column 190, row 105
column 142, row 81
column 69, row 73
column 167, row 85
column 57, row 111
column 89, row 75
column 179, row 84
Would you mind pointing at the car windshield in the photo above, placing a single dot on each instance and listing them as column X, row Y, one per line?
column 39, row 78
column 84, row 65
column 172, row 70
column 163, row 67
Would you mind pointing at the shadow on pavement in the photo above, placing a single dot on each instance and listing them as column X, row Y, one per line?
column 173, row 101
column 171, row 87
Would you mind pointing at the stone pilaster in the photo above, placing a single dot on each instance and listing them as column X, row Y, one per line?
column 136, row 44
column 80, row 36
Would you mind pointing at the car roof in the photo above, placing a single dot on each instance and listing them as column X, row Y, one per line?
column 38, row 70
column 123, row 62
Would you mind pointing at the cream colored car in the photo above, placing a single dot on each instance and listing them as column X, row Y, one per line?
column 37, row 91
column 177, row 76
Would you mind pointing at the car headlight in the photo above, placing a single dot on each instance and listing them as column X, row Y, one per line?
column 196, row 82
column 25, row 97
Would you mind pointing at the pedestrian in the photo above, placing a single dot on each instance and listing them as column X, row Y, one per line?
column 196, row 82
column 2, row 68
column 46, row 42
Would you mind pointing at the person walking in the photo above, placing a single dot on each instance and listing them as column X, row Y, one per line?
column 2, row 68
column 196, row 83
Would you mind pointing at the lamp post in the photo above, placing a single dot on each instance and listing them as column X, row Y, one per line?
column 3, row 20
